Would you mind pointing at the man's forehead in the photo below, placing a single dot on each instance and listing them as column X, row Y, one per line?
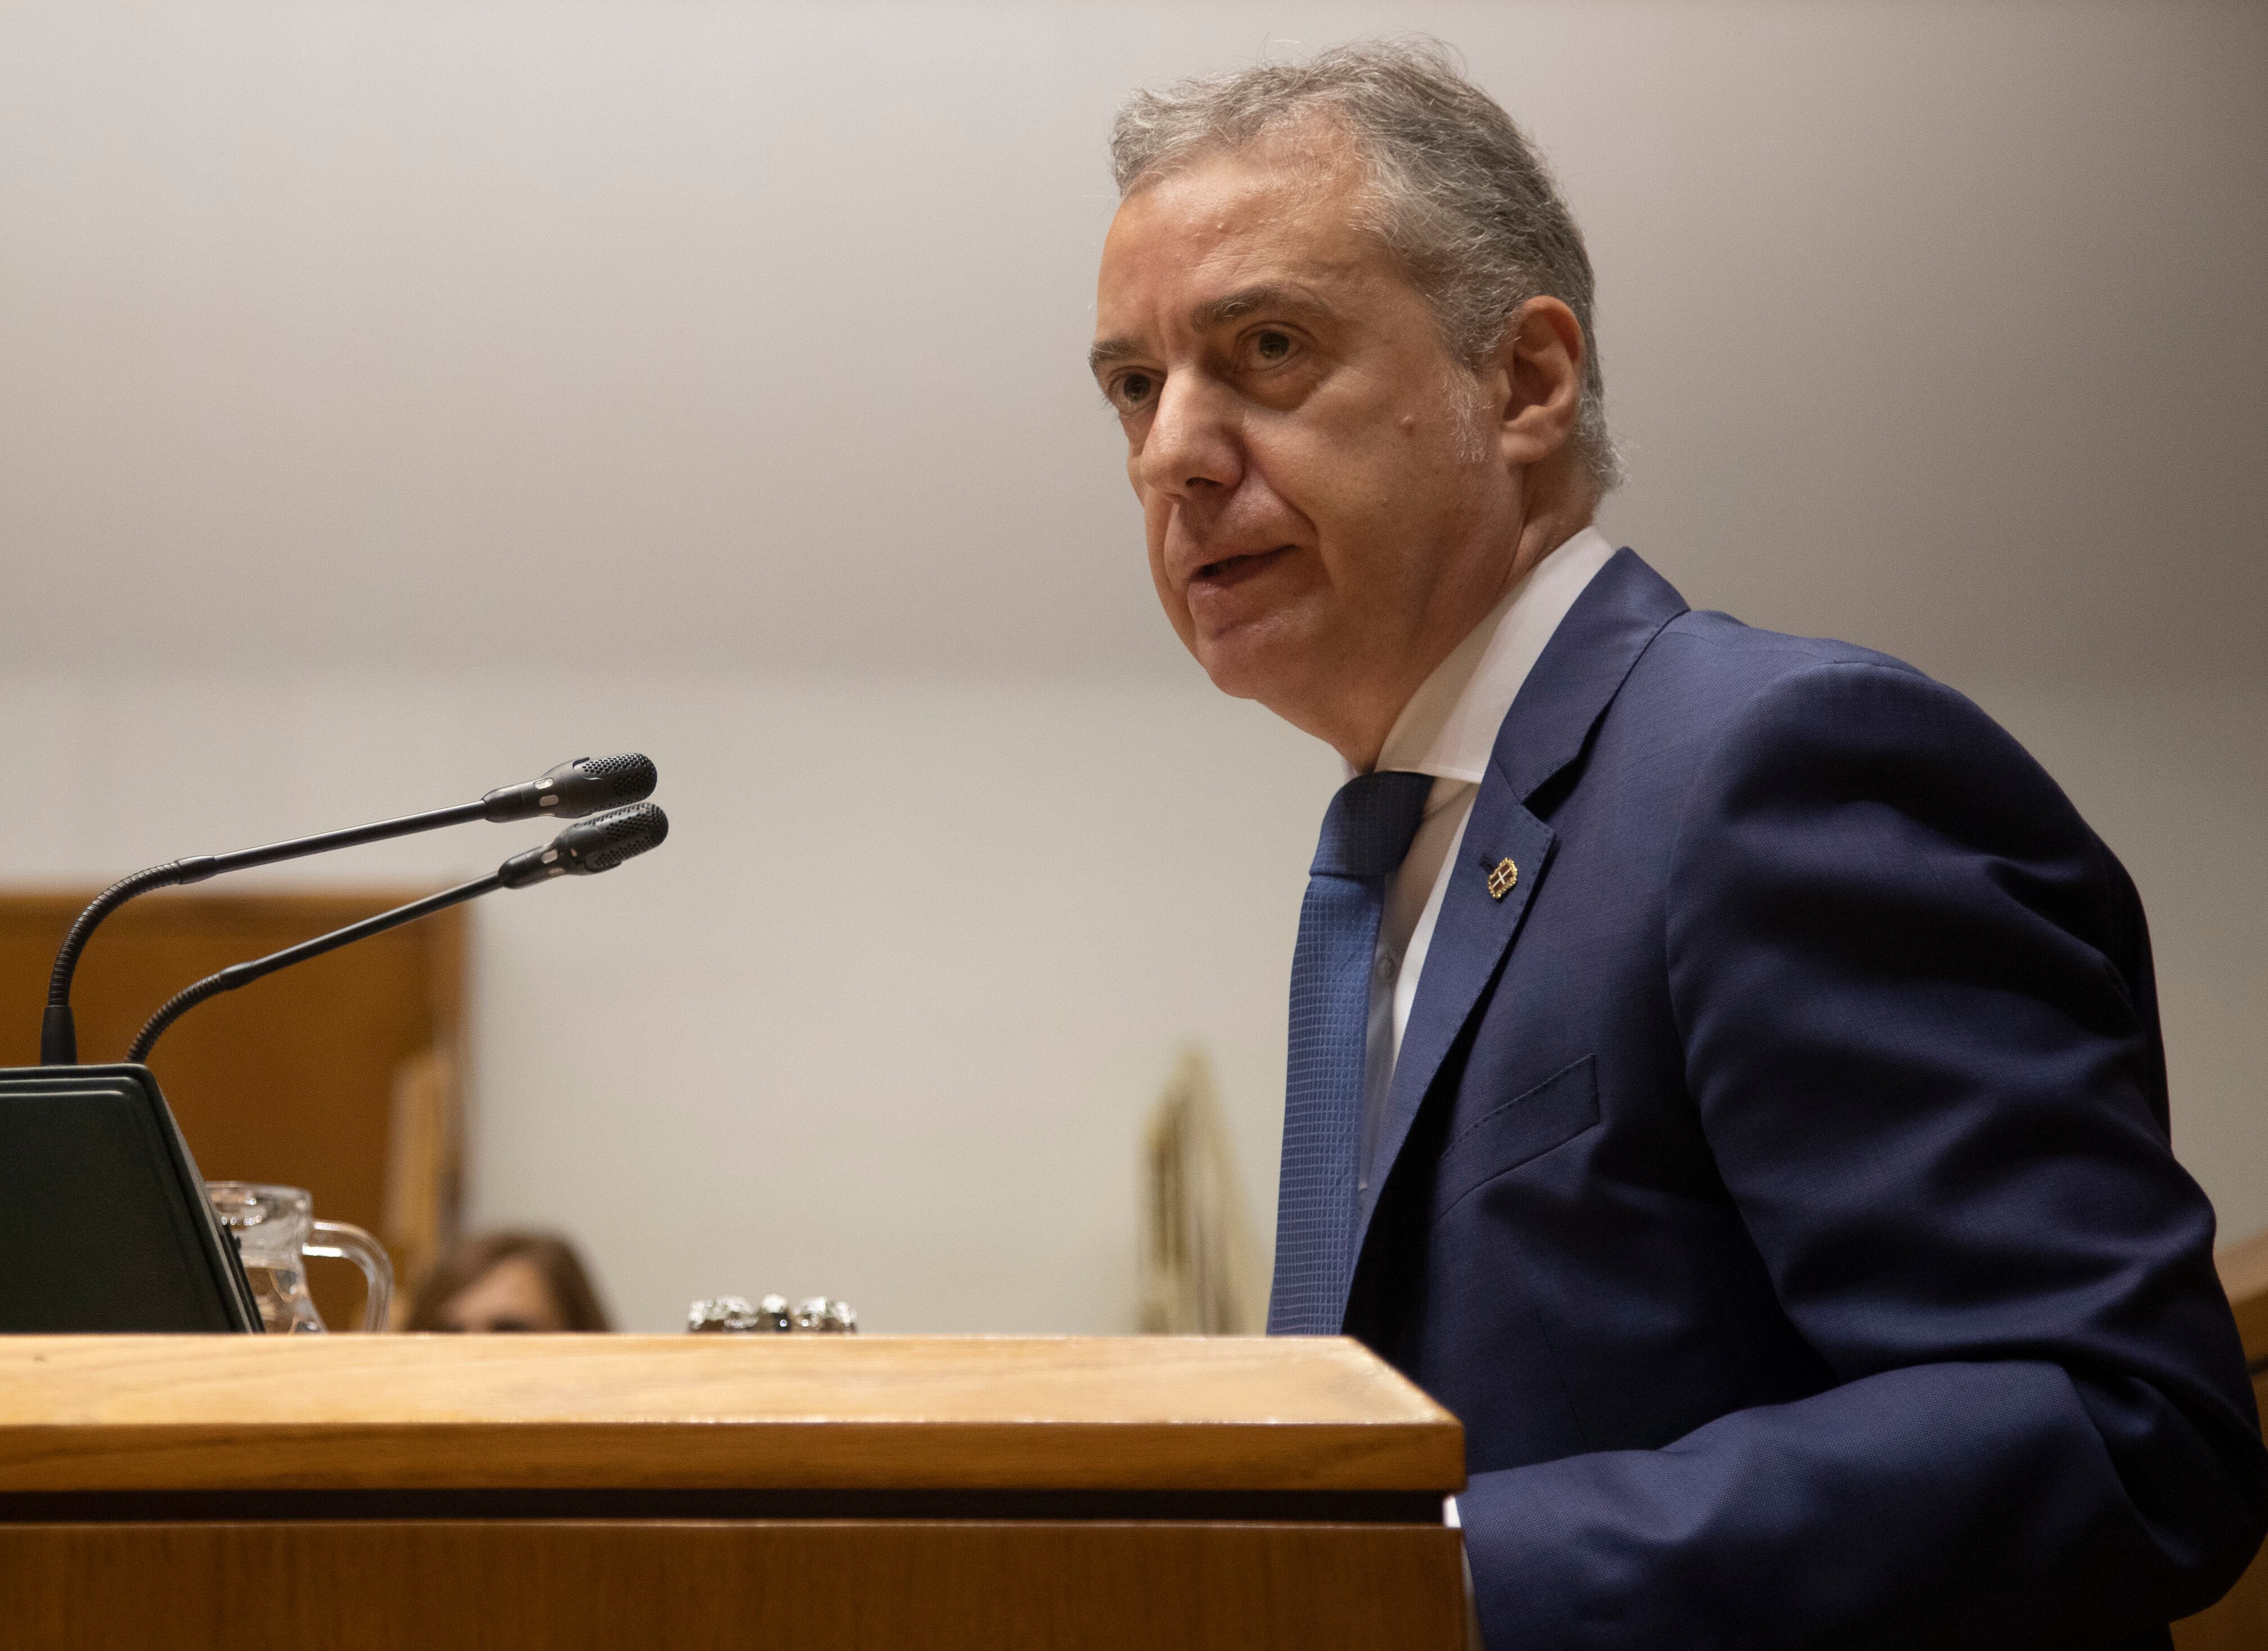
column 1221, row 201
column 1223, row 238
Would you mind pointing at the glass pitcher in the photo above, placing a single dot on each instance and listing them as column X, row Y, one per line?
column 274, row 1228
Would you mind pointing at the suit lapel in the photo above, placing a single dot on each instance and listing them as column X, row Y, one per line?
column 1470, row 937
column 1576, row 678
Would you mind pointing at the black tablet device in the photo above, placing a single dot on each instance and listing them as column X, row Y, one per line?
column 103, row 1222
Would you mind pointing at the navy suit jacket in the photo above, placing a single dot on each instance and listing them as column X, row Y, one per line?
column 1779, row 1188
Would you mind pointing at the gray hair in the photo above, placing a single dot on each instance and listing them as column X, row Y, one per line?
column 1457, row 192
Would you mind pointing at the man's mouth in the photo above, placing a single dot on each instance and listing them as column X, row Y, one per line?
column 1234, row 570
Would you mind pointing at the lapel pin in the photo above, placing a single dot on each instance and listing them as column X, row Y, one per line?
column 1502, row 879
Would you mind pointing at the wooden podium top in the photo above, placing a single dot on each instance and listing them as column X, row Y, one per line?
column 179, row 1413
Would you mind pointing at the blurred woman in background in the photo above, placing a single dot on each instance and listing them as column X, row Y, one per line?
column 508, row 1281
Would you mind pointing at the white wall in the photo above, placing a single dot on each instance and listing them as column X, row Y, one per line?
column 395, row 399
column 883, row 1017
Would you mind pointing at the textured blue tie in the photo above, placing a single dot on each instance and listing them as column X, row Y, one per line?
column 1366, row 832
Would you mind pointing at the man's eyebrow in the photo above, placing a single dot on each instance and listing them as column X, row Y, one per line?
column 1107, row 351
column 1220, row 312
column 1235, row 307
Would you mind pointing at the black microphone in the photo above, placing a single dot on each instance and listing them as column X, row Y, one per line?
column 583, row 849
column 574, row 789
column 592, row 846
column 569, row 791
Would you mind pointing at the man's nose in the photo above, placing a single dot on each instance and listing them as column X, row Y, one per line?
column 1192, row 448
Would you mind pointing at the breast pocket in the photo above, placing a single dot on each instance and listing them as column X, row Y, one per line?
column 1524, row 1128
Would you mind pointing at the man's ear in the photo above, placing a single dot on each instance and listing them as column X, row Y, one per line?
column 1537, row 381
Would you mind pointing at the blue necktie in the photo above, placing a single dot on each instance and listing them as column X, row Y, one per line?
column 1366, row 832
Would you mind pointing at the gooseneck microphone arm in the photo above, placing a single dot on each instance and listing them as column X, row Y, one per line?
column 585, row 848
column 59, row 1036
column 568, row 792
column 244, row 974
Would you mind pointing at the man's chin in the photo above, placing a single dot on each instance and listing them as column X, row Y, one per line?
column 1264, row 659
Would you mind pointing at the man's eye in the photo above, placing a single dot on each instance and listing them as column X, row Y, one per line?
column 1270, row 347
column 1132, row 389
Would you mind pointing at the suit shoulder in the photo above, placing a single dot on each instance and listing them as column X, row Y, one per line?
column 1747, row 707
column 1794, row 729
column 1705, row 669
column 1706, row 641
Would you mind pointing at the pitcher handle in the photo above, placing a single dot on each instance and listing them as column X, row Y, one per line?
column 347, row 1242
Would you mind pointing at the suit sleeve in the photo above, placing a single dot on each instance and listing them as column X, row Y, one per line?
column 1913, row 993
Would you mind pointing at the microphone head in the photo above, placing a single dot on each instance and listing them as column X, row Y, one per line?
column 590, row 845
column 602, row 844
column 591, row 783
column 574, row 789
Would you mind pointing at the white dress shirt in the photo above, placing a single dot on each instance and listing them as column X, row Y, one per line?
column 1448, row 730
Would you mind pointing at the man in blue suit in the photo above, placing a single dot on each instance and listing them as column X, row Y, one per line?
column 1724, row 1068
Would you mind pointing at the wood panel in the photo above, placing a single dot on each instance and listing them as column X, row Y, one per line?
column 570, row 1586
column 2244, row 1271
column 2240, row 1622
column 92, row 1413
column 291, row 1079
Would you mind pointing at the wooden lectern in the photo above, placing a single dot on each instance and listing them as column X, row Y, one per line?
column 556, row 1492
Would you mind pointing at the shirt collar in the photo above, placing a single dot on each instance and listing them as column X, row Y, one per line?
column 1448, row 729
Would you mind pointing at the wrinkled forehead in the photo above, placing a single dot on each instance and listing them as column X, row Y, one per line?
column 1277, row 210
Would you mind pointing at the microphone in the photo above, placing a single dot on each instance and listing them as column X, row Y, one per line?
column 574, row 789
column 582, row 850
column 569, row 791
column 589, row 846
